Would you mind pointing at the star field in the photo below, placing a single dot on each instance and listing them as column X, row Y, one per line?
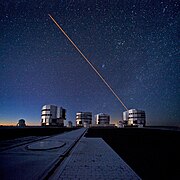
column 133, row 44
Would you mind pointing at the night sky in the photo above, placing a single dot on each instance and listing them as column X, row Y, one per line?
column 133, row 44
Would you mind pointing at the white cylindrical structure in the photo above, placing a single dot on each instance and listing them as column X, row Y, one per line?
column 134, row 117
column 83, row 119
column 52, row 115
column 102, row 119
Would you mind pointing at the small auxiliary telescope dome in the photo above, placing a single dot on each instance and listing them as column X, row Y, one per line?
column 21, row 123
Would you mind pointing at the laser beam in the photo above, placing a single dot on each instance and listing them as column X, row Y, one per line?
column 86, row 59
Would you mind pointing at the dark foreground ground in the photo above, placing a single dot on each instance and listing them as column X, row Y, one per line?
column 7, row 133
column 152, row 153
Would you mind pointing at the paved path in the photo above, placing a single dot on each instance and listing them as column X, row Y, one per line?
column 34, row 161
column 93, row 159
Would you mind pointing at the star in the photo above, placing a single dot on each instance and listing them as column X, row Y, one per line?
column 133, row 45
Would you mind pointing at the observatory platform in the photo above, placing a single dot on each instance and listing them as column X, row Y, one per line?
column 64, row 156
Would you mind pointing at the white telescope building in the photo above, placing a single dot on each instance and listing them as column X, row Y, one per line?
column 83, row 119
column 52, row 115
column 134, row 117
column 102, row 119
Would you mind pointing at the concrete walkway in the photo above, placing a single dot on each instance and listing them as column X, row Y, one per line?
column 93, row 159
column 90, row 158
